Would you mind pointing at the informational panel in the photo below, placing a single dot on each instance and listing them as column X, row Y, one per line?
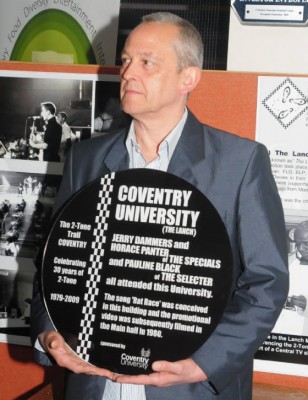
column 282, row 121
column 279, row 12
column 143, row 275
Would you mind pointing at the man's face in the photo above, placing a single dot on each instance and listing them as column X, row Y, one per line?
column 301, row 240
column 44, row 113
column 150, row 81
column 60, row 119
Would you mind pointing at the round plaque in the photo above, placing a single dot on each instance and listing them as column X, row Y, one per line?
column 137, row 267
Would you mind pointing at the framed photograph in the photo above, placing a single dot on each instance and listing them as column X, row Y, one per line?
column 81, row 102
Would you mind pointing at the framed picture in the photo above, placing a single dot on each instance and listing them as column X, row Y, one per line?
column 83, row 102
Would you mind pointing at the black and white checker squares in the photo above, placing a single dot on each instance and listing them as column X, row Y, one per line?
column 94, row 270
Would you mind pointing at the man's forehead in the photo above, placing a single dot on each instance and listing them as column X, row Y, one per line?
column 152, row 34
column 156, row 52
column 140, row 53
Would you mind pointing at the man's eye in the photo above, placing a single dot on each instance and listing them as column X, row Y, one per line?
column 125, row 61
column 147, row 63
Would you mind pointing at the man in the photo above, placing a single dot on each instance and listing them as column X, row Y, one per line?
column 300, row 238
column 67, row 137
column 52, row 135
column 297, row 300
column 161, row 65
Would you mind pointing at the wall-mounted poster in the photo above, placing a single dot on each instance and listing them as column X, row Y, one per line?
column 282, row 122
column 59, row 31
column 40, row 111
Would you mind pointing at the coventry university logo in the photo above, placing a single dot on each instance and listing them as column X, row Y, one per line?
column 286, row 103
column 141, row 361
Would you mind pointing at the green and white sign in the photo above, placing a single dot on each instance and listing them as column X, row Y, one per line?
column 59, row 31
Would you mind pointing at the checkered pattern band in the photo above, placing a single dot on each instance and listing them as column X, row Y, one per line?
column 96, row 265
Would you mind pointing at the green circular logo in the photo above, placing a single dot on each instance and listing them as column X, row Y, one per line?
column 53, row 36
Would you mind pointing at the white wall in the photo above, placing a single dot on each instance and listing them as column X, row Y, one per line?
column 280, row 49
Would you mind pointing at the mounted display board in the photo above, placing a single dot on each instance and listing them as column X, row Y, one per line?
column 225, row 100
column 271, row 12
column 145, row 272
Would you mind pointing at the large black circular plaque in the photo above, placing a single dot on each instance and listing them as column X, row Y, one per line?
column 137, row 268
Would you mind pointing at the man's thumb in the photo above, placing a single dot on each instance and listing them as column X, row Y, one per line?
column 53, row 342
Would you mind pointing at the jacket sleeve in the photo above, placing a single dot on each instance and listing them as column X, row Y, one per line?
column 261, row 287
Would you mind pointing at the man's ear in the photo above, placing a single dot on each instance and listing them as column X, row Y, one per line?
column 190, row 79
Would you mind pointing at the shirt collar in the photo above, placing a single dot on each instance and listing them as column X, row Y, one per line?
column 169, row 142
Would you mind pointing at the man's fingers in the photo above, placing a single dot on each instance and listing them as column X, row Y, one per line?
column 65, row 357
column 165, row 366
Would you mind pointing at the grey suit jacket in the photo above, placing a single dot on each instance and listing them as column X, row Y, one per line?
column 235, row 175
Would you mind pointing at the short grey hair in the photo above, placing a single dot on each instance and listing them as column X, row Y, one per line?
column 189, row 46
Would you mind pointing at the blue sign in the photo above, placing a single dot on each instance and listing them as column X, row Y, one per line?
column 272, row 12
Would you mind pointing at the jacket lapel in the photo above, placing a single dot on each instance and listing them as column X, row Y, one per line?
column 189, row 159
column 117, row 159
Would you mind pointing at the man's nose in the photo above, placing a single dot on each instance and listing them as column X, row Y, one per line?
column 129, row 71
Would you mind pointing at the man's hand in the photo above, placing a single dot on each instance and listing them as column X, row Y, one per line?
column 54, row 344
column 167, row 374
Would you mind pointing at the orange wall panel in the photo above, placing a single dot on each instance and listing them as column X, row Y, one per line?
column 20, row 376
